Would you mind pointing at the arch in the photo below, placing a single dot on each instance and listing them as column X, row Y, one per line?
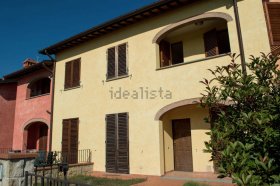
column 209, row 15
column 35, row 120
column 171, row 106
column 39, row 86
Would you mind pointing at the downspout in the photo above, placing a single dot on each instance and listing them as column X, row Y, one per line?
column 52, row 98
column 240, row 40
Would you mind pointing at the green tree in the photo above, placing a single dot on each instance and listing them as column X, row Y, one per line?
column 245, row 120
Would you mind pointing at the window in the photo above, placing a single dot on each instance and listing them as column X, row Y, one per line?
column 39, row 87
column 117, row 61
column 170, row 54
column 272, row 10
column 216, row 42
column 117, row 147
column 72, row 74
column 70, row 132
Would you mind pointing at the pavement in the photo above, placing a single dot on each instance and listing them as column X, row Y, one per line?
column 174, row 178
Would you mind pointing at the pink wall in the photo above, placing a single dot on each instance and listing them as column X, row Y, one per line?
column 29, row 110
column 7, row 113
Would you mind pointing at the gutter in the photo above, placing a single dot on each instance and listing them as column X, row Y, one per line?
column 52, row 98
column 240, row 40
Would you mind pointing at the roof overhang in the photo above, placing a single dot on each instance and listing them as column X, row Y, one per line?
column 115, row 24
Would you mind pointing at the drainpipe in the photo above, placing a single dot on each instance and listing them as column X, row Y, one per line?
column 52, row 98
column 240, row 40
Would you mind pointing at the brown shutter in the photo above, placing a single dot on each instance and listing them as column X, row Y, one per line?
column 111, row 66
column 66, row 124
column 164, row 48
column 274, row 20
column 111, row 145
column 122, row 63
column 43, row 139
column 74, row 136
column 210, row 43
column 177, row 53
column 76, row 72
column 68, row 72
column 223, row 41
column 123, row 146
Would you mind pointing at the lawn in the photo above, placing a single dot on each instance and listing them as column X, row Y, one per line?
column 105, row 181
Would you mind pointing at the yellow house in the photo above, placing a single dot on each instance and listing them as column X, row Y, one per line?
column 129, row 89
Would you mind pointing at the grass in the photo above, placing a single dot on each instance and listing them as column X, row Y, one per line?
column 105, row 181
column 194, row 184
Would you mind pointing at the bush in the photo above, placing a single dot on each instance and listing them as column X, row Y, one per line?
column 245, row 121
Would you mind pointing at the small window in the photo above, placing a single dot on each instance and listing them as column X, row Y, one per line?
column 216, row 42
column 39, row 87
column 171, row 54
column 117, row 61
column 72, row 74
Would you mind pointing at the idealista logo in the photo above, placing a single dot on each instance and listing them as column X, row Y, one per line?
column 140, row 93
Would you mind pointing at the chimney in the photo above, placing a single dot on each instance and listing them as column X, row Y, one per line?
column 29, row 62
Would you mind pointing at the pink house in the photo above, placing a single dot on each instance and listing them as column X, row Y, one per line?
column 26, row 115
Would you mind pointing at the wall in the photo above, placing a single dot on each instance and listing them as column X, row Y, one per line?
column 7, row 113
column 93, row 100
column 29, row 110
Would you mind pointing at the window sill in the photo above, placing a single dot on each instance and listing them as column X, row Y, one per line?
column 33, row 97
column 71, row 88
column 194, row 61
column 116, row 78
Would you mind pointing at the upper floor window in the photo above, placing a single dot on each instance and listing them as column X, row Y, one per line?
column 117, row 61
column 39, row 87
column 72, row 74
column 171, row 53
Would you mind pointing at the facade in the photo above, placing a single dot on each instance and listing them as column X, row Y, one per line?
column 27, row 110
column 129, row 89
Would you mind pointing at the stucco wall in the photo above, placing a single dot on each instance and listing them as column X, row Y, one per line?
column 92, row 101
column 29, row 109
column 7, row 113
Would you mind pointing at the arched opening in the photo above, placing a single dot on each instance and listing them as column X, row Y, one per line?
column 36, row 136
column 193, row 39
column 39, row 87
column 183, row 137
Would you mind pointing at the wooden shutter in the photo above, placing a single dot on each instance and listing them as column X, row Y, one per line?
column 68, row 76
column 164, row 48
column 74, row 136
column 43, row 138
column 76, row 72
column 177, row 53
column 122, row 57
column 210, row 43
column 111, row 63
column 111, row 143
column 223, row 41
column 66, row 124
column 123, row 147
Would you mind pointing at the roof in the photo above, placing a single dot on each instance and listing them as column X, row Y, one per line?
column 27, row 70
column 149, row 11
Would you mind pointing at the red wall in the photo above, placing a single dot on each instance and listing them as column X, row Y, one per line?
column 7, row 113
column 33, row 109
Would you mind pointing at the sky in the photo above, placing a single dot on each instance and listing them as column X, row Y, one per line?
column 26, row 26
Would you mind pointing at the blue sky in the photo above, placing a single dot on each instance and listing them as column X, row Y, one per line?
column 30, row 25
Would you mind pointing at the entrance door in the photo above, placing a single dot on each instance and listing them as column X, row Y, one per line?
column 70, row 140
column 182, row 145
column 43, row 137
column 117, row 150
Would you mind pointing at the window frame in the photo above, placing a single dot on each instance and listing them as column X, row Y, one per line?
column 71, row 75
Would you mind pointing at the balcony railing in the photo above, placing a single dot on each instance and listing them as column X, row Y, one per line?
column 57, row 157
column 5, row 150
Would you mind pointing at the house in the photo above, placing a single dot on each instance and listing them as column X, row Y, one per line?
column 25, row 102
column 129, row 89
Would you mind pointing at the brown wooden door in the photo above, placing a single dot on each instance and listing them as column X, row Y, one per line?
column 117, row 148
column 43, row 137
column 70, row 140
column 182, row 145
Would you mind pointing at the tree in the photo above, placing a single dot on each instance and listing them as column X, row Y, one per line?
column 245, row 120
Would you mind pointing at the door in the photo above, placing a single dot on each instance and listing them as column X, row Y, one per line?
column 182, row 145
column 43, row 137
column 117, row 148
column 70, row 140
